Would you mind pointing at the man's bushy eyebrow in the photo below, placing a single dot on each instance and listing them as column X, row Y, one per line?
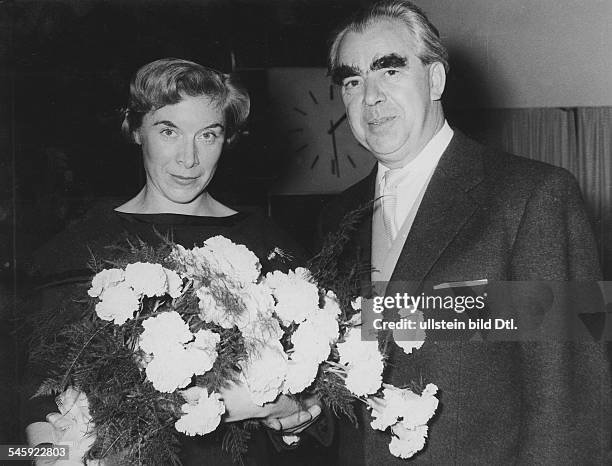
column 392, row 60
column 340, row 73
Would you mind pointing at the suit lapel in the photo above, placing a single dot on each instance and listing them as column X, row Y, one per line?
column 449, row 201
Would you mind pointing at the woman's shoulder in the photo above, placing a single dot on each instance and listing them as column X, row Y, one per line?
column 72, row 248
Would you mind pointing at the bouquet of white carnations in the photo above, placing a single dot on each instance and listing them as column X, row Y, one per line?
column 205, row 317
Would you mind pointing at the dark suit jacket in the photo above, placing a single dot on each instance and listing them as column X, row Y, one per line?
column 487, row 214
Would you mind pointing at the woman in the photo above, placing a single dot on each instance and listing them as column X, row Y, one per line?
column 182, row 115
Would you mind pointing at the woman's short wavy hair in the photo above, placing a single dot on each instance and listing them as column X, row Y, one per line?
column 429, row 46
column 168, row 80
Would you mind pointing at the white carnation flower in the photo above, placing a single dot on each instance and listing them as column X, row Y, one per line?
column 103, row 280
column 326, row 322
column 265, row 372
column 118, row 303
column 170, row 369
column 213, row 311
column 410, row 340
column 383, row 415
column 203, row 417
column 187, row 262
column 163, row 331
column 175, row 283
column 331, row 305
column 206, row 340
column 249, row 304
column 262, row 331
column 313, row 338
column 202, row 352
column 404, row 410
column 364, row 363
column 234, row 261
column 258, row 301
column 354, row 350
column 301, row 372
column 296, row 296
column 147, row 279
column 407, row 442
column 365, row 377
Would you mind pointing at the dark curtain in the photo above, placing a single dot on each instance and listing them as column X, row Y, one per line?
column 578, row 139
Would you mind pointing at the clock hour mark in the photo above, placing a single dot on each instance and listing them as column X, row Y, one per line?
column 299, row 149
column 300, row 111
column 331, row 92
column 335, row 168
column 351, row 160
column 314, row 99
column 296, row 130
column 314, row 162
column 335, row 159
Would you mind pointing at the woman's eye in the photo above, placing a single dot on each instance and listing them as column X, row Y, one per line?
column 168, row 132
column 208, row 137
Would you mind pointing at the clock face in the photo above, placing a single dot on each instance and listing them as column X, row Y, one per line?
column 319, row 153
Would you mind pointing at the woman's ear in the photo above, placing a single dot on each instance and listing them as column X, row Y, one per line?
column 437, row 80
column 136, row 137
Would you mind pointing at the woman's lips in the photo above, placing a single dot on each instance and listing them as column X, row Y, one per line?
column 184, row 180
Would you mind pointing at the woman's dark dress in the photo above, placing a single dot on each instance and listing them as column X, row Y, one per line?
column 61, row 268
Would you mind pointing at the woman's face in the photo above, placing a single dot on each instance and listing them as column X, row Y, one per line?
column 181, row 145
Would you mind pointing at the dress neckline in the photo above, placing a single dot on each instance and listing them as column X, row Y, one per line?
column 181, row 219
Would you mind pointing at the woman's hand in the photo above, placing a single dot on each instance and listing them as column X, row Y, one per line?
column 291, row 416
column 239, row 405
column 286, row 414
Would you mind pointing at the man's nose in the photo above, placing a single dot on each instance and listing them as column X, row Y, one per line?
column 373, row 93
column 188, row 156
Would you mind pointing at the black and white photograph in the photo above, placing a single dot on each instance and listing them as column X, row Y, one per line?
column 305, row 232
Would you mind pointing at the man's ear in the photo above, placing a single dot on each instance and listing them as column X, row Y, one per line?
column 437, row 80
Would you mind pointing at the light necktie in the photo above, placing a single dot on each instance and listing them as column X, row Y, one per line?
column 389, row 202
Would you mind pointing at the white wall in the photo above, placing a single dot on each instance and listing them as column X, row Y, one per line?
column 531, row 53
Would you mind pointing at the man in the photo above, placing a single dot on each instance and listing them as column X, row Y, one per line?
column 461, row 212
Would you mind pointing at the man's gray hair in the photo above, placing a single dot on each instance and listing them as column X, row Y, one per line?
column 425, row 34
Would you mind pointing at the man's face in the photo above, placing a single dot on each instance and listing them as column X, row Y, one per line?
column 181, row 146
column 391, row 98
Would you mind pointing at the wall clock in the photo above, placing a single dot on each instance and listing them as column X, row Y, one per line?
column 319, row 154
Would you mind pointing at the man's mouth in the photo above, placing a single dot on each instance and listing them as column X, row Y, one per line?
column 380, row 121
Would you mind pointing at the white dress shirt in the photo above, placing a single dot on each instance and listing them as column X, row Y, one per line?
column 416, row 174
column 410, row 187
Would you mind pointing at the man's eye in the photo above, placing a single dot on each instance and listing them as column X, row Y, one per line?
column 351, row 83
column 391, row 72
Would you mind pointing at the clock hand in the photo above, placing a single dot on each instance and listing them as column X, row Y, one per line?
column 333, row 135
column 335, row 125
